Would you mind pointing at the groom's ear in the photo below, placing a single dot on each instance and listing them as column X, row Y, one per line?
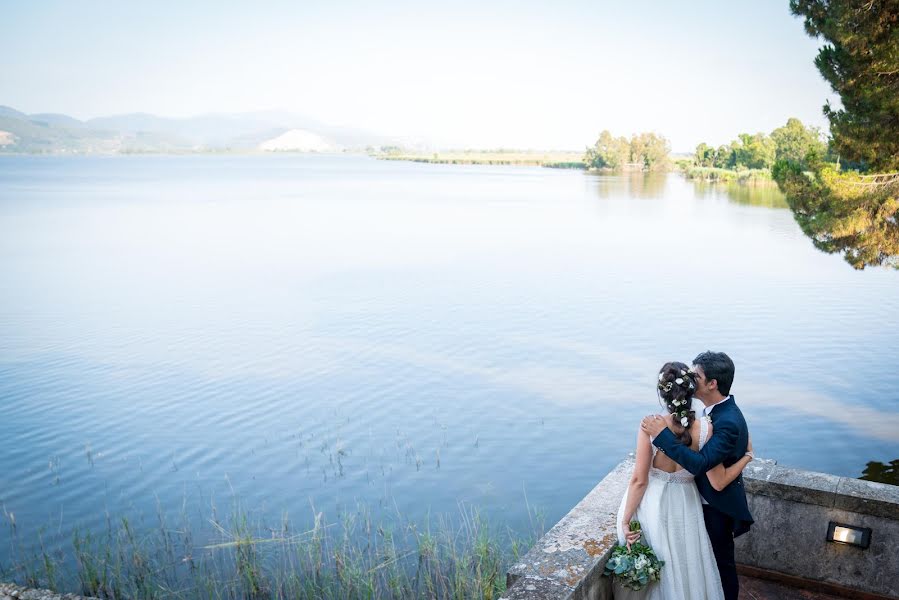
column 712, row 384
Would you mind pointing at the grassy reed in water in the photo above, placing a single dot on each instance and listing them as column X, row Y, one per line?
column 352, row 557
column 744, row 176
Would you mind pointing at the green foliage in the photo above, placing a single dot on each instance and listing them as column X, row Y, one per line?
column 744, row 176
column 650, row 150
column 797, row 143
column 461, row 556
column 608, row 152
column 860, row 60
column 644, row 151
column 705, row 155
column 793, row 142
column 755, row 151
column 883, row 473
column 748, row 152
column 845, row 212
column 725, row 157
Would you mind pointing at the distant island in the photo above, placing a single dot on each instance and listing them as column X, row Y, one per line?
column 138, row 133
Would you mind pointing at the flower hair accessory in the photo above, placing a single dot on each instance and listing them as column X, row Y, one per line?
column 685, row 380
column 680, row 405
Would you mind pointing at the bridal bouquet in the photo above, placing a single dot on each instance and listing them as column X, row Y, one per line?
column 635, row 568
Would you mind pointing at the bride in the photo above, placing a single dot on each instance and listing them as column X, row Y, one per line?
column 664, row 499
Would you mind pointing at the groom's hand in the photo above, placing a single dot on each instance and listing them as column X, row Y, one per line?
column 653, row 425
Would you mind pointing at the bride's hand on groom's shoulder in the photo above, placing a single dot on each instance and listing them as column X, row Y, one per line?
column 653, row 425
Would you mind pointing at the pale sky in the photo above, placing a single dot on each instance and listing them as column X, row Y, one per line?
column 462, row 74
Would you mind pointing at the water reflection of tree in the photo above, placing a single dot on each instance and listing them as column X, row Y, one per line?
column 630, row 184
column 846, row 212
column 884, row 473
column 767, row 196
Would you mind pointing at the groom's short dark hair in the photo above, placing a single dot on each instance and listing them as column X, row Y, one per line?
column 717, row 366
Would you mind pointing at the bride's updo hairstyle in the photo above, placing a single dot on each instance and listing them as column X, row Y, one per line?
column 676, row 387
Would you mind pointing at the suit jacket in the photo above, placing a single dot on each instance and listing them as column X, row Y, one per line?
column 727, row 445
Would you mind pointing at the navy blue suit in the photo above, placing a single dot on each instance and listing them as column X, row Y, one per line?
column 727, row 513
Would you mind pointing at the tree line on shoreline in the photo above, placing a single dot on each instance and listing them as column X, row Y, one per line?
column 843, row 190
column 792, row 142
column 642, row 152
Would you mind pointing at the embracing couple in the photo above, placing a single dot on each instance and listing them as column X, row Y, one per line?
column 687, row 486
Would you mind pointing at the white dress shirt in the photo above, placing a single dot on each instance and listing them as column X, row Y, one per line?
column 707, row 410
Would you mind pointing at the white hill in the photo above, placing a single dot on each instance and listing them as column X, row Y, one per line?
column 298, row 140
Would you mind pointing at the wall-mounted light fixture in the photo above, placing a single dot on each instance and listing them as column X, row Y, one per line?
column 849, row 534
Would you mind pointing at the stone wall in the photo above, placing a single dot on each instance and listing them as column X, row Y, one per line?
column 792, row 509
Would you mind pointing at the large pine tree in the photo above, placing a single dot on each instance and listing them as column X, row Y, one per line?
column 860, row 60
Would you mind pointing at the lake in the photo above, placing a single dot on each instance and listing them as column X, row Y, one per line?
column 327, row 331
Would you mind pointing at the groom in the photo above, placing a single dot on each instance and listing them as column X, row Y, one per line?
column 726, row 512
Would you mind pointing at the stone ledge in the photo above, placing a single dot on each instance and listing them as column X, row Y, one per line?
column 567, row 562
column 868, row 498
column 801, row 486
column 766, row 478
column 9, row 590
column 759, row 470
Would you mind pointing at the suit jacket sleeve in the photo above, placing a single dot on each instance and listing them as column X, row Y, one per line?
column 720, row 446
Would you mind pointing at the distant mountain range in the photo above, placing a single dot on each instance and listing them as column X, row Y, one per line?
column 267, row 131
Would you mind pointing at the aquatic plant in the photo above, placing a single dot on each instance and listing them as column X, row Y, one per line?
column 352, row 556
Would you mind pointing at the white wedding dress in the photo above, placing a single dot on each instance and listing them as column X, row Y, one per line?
column 670, row 516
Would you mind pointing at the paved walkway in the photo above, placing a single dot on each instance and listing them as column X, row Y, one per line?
column 759, row 589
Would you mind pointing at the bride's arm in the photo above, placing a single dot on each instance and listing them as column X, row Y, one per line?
column 639, row 479
column 720, row 476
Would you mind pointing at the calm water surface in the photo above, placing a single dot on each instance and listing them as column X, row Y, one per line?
column 333, row 330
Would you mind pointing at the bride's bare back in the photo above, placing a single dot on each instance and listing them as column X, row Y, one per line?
column 661, row 461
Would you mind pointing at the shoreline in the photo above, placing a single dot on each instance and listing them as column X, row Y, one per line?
column 559, row 160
